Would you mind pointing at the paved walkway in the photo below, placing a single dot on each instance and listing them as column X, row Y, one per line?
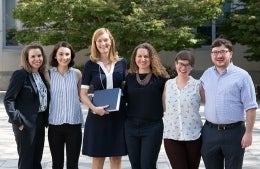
column 8, row 154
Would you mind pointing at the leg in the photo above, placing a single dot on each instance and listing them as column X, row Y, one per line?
column 211, row 148
column 73, row 145
column 193, row 153
column 39, row 142
column 115, row 162
column 98, row 162
column 56, row 144
column 24, row 147
column 233, row 152
column 151, row 144
column 133, row 143
column 176, row 153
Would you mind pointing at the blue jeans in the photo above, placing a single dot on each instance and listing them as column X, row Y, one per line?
column 222, row 147
column 143, row 140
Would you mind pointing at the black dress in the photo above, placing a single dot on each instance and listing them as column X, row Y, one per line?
column 104, row 135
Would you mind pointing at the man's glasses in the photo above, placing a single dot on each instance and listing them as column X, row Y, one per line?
column 222, row 52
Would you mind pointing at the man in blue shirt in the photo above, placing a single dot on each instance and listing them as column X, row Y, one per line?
column 230, row 110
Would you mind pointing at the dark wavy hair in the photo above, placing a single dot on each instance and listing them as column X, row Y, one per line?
column 53, row 60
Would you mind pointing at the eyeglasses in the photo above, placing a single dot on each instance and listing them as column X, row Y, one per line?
column 183, row 65
column 222, row 52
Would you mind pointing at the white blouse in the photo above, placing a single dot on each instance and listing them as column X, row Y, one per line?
column 182, row 120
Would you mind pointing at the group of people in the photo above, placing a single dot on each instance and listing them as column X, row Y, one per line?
column 154, row 108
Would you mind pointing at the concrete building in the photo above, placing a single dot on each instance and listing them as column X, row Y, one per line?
column 10, row 51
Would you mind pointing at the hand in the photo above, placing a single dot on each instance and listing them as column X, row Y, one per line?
column 21, row 127
column 246, row 140
column 101, row 110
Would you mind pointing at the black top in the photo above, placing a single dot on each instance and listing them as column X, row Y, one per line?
column 144, row 102
column 22, row 99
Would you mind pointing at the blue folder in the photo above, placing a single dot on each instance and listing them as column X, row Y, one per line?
column 109, row 97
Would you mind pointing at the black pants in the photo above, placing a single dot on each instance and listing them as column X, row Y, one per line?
column 61, row 135
column 30, row 143
column 183, row 154
column 222, row 147
column 143, row 140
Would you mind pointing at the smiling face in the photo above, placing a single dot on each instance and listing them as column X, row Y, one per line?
column 142, row 60
column 35, row 59
column 103, row 44
column 63, row 56
column 183, row 68
column 221, row 57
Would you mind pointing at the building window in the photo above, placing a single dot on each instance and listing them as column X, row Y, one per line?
column 10, row 25
column 211, row 31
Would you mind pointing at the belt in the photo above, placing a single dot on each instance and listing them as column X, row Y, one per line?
column 224, row 126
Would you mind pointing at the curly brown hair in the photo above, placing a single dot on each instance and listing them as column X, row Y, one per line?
column 156, row 66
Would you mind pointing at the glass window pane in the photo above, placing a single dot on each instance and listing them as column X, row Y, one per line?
column 10, row 24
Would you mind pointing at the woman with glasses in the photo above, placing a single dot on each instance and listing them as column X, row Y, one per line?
column 182, row 122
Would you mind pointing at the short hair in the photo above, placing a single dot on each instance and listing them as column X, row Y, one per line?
column 53, row 60
column 221, row 41
column 25, row 54
column 156, row 67
column 185, row 55
column 95, row 55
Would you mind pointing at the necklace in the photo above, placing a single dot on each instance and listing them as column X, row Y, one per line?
column 145, row 81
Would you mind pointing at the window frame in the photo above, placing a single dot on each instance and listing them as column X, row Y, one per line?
column 4, row 27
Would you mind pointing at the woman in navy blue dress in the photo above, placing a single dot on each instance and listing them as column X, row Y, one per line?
column 104, row 131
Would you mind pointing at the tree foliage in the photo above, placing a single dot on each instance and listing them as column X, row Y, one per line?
column 242, row 25
column 166, row 24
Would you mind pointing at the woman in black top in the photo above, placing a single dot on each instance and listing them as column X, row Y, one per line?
column 143, row 93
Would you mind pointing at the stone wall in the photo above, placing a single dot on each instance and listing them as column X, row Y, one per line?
column 4, row 80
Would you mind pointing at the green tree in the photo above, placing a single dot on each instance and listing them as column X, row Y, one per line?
column 166, row 24
column 242, row 25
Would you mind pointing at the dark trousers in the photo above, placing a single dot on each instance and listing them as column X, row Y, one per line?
column 30, row 143
column 61, row 135
column 143, row 140
column 222, row 147
column 183, row 154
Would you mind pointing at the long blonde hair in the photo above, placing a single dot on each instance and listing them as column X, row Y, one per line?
column 156, row 67
column 95, row 54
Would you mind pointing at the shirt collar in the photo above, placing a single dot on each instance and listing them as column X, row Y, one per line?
column 56, row 69
column 227, row 70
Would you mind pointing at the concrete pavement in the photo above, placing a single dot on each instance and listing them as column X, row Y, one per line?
column 8, row 154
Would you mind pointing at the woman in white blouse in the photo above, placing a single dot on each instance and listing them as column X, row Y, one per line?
column 182, row 122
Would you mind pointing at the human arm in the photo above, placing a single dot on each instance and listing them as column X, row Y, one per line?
column 202, row 93
column 163, row 98
column 79, row 76
column 15, row 86
column 250, row 121
column 86, row 100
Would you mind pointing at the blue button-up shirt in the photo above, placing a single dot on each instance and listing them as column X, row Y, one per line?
column 228, row 95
